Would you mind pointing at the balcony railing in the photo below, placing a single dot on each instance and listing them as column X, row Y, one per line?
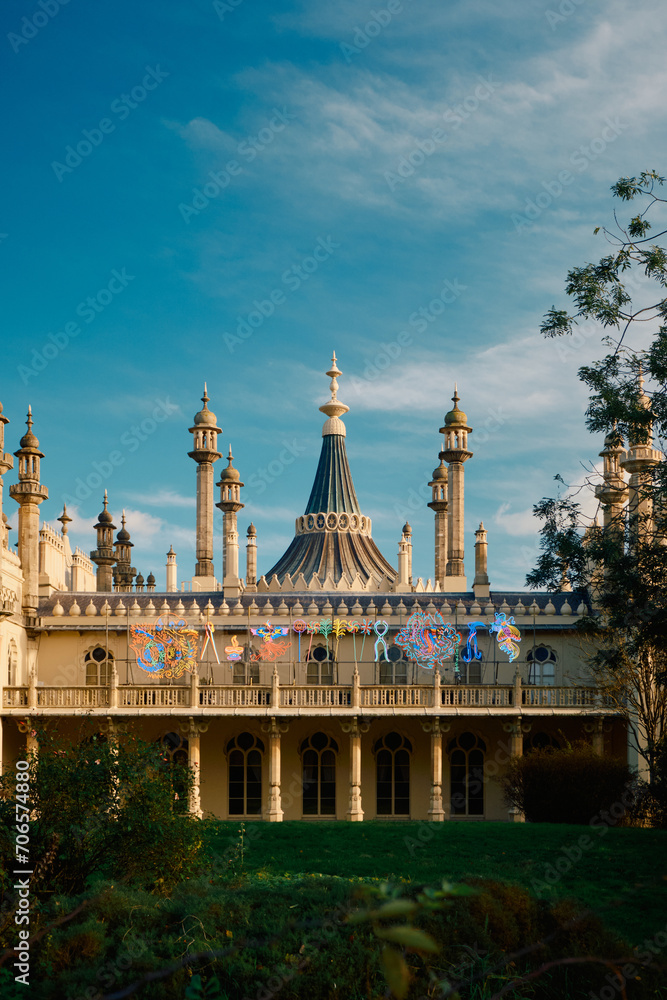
column 291, row 698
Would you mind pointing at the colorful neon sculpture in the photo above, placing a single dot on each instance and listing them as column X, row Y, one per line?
column 209, row 629
column 508, row 634
column 299, row 627
column 270, row 648
column 380, row 629
column 428, row 639
column 234, row 652
column 165, row 648
column 471, row 652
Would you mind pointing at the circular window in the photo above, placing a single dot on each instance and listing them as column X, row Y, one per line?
column 331, row 520
column 320, row 653
column 394, row 653
column 311, row 522
column 320, row 521
column 342, row 521
column 354, row 522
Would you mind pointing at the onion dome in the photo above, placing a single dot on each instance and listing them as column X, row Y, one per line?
column 230, row 474
column 105, row 519
column 441, row 472
column 29, row 443
column 124, row 535
column 139, row 580
column 455, row 416
column 150, row 580
column 407, row 530
column 252, row 531
column 205, row 416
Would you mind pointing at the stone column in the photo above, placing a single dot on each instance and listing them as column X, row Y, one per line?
column 25, row 726
column 595, row 729
column 516, row 730
column 436, row 812
column 481, row 583
column 274, row 731
column 193, row 731
column 204, row 549
column 355, row 813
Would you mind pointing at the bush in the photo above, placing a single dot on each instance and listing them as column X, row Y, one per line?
column 102, row 807
column 572, row 785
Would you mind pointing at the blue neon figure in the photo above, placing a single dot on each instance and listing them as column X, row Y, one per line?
column 471, row 652
column 380, row 638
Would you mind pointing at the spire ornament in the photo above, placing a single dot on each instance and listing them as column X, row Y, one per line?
column 334, row 409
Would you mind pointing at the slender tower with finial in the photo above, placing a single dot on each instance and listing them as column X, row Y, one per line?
column 6, row 463
column 205, row 453
column 29, row 493
column 230, row 504
column 639, row 460
column 438, row 504
column 104, row 556
column 455, row 453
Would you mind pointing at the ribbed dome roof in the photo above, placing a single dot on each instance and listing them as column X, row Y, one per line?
column 455, row 416
column 206, row 417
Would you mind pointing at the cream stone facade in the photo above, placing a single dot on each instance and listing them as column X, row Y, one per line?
column 322, row 725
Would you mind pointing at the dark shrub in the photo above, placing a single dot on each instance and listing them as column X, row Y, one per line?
column 566, row 786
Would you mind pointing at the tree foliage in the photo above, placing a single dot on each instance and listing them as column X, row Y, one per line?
column 623, row 562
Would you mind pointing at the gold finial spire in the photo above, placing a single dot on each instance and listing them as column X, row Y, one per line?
column 334, row 409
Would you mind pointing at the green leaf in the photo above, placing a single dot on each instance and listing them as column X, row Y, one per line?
column 408, row 937
column 396, row 908
column 395, row 972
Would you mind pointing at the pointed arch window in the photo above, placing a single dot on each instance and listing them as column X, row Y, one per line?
column 392, row 767
column 245, row 775
column 99, row 663
column 466, row 757
column 394, row 669
column 541, row 665
column 320, row 666
column 246, row 670
column 318, row 754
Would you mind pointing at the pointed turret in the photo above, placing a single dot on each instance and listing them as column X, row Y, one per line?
column 333, row 538
column 124, row 572
column 205, row 453
column 230, row 504
column 455, row 452
column 104, row 556
column 29, row 493
column 172, row 571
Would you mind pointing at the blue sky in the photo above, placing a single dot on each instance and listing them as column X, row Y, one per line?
column 212, row 148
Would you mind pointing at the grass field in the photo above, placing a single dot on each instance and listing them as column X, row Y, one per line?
column 621, row 874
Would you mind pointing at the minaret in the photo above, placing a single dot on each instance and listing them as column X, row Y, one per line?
column 28, row 493
column 150, row 584
column 172, row 571
column 6, row 463
column 639, row 459
column 612, row 493
column 251, row 559
column 481, row 582
column 438, row 504
column 205, row 453
column 123, row 572
column 402, row 582
column 407, row 531
column 230, row 504
column 455, row 453
column 103, row 556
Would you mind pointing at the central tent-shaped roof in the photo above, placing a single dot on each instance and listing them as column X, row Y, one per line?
column 333, row 538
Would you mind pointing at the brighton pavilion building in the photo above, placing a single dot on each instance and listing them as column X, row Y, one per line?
column 330, row 685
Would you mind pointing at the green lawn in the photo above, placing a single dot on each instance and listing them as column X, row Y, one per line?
column 621, row 874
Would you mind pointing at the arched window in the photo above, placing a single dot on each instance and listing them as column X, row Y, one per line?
column 246, row 670
column 470, row 673
column 394, row 670
column 466, row 755
column 392, row 764
column 320, row 666
column 12, row 664
column 540, row 741
column 318, row 753
column 541, row 665
column 245, row 775
column 98, row 666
